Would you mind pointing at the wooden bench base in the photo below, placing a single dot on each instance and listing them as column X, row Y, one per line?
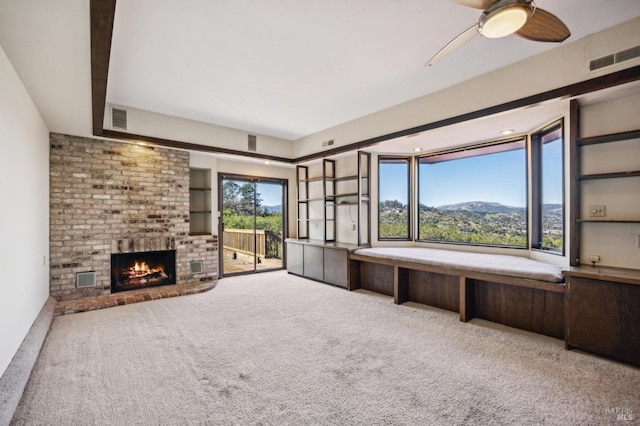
column 531, row 305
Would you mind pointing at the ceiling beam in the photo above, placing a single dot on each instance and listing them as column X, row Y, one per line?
column 102, row 13
column 169, row 143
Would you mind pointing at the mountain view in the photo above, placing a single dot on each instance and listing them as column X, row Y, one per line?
column 476, row 222
column 273, row 209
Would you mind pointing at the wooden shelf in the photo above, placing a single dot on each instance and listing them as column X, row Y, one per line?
column 349, row 204
column 346, row 178
column 200, row 201
column 605, row 273
column 609, row 220
column 614, row 137
column 599, row 194
column 616, row 175
column 332, row 197
column 313, row 179
column 309, row 200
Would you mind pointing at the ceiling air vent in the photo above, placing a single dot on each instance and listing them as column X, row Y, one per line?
column 327, row 143
column 253, row 143
column 614, row 58
column 119, row 118
column 627, row 54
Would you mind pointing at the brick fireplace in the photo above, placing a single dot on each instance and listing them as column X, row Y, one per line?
column 110, row 197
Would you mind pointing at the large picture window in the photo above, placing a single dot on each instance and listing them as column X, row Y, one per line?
column 547, row 161
column 394, row 218
column 476, row 195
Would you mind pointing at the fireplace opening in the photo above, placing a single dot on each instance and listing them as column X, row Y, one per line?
column 131, row 271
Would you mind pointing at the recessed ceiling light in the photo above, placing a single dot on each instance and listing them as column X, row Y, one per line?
column 267, row 162
column 507, row 132
column 417, row 149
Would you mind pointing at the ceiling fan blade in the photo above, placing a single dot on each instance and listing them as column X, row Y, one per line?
column 476, row 4
column 544, row 26
column 454, row 45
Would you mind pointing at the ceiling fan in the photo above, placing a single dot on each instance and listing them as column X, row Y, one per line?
column 503, row 17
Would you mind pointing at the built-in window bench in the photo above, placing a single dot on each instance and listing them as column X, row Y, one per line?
column 510, row 290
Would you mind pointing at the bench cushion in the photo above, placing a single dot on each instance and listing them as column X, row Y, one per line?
column 498, row 264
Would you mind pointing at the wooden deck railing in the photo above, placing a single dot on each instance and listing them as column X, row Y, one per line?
column 267, row 244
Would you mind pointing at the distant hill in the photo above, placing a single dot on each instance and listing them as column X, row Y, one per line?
column 273, row 209
column 473, row 222
column 555, row 208
column 481, row 207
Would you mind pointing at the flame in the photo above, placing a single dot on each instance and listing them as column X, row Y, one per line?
column 141, row 269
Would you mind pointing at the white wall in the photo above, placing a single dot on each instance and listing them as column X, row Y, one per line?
column 556, row 68
column 179, row 129
column 24, row 220
column 48, row 43
column 248, row 168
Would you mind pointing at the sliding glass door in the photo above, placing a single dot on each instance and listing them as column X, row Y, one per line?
column 252, row 223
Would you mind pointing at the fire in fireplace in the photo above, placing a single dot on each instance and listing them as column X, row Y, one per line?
column 131, row 271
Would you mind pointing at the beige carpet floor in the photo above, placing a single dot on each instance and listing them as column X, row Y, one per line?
column 275, row 349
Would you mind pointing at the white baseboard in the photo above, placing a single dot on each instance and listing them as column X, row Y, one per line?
column 15, row 378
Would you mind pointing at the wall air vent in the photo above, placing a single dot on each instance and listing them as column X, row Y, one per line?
column 196, row 267
column 253, row 143
column 86, row 279
column 119, row 118
column 614, row 58
column 327, row 143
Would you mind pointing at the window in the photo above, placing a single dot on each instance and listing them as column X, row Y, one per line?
column 474, row 195
column 394, row 218
column 547, row 159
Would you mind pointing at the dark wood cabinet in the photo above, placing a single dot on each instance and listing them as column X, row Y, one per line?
column 603, row 312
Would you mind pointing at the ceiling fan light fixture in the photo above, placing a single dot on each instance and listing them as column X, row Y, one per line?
column 504, row 19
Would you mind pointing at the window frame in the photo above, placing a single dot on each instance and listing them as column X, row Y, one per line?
column 409, row 162
column 537, row 227
column 492, row 147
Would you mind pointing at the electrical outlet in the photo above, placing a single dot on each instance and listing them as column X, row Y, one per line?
column 597, row 211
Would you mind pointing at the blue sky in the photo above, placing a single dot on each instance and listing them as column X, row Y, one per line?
column 495, row 178
column 502, row 179
column 505, row 181
column 271, row 193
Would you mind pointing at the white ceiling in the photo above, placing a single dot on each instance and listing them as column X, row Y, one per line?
column 290, row 68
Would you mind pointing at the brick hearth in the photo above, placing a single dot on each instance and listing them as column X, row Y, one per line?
column 108, row 195
column 107, row 301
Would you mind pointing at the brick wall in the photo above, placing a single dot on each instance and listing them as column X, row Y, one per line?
column 104, row 191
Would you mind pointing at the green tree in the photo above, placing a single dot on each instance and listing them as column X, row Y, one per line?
column 230, row 192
